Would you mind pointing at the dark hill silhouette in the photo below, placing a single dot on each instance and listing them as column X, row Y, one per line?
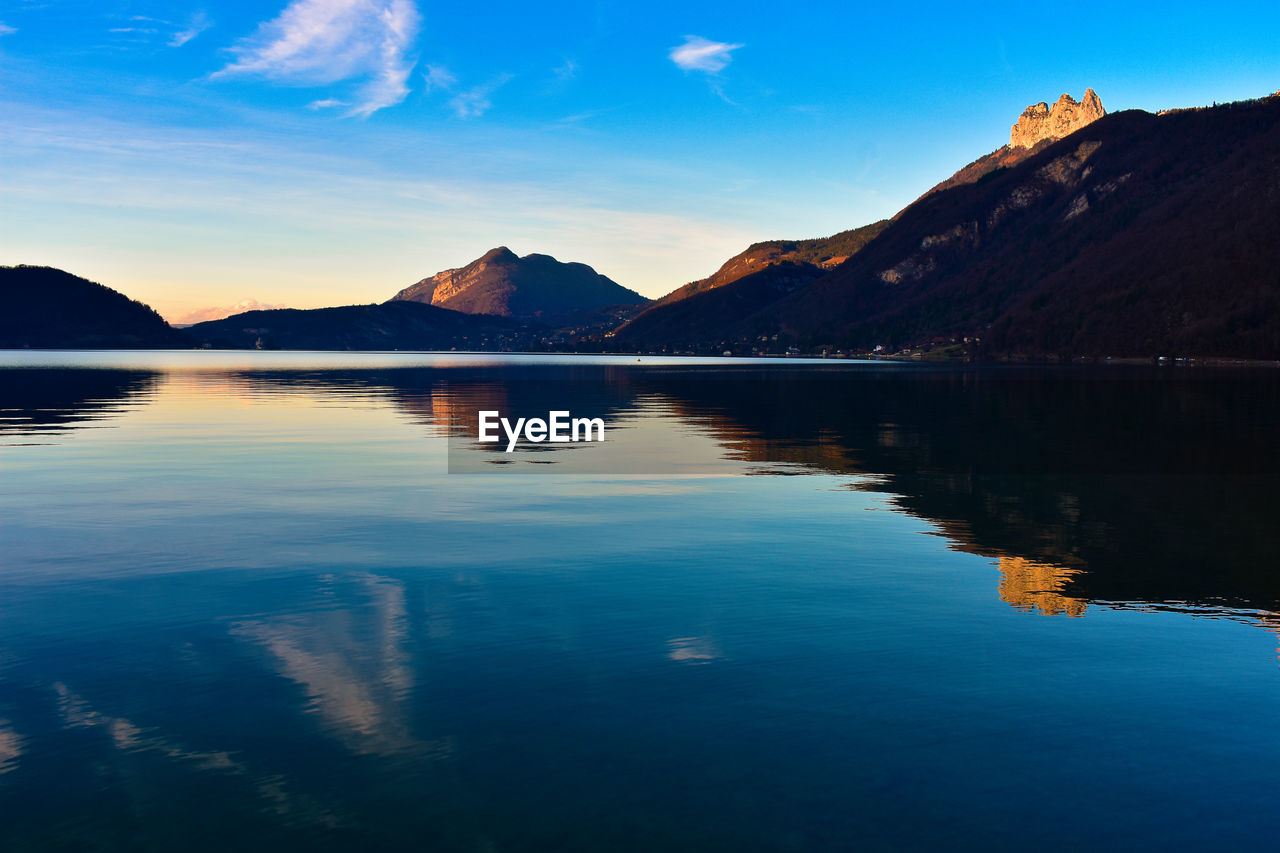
column 48, row 308
column 389, row 326
column 820, row 253
column 696, row 320
column 748, row 287
column 1005, row 157
column 533, row 287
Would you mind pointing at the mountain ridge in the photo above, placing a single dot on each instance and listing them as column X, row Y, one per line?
column 802, row 260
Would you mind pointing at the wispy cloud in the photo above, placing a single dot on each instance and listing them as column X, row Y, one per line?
column 315, row 42
column 326, row 104
column 143, row 29
column 566, row 70
column 6, row 30
column 439, row 77
column 474, row 102
column 578, row 118
column 699, row 54
column 467, row 103
column 198, row 24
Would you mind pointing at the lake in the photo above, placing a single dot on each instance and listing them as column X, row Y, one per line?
column 284, row 601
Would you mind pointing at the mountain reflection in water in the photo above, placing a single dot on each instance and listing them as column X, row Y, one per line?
column 1148, row 486
column 245, row 603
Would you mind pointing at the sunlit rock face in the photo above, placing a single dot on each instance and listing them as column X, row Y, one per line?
column 1039, row 122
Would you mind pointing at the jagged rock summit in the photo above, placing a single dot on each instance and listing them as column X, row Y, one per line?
column 1039, row 122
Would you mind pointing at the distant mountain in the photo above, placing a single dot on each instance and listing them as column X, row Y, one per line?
column 669, row 321
column 201, row 315
column 48, row 308
column 389, row 326
column 1137, row 235
column 533, row 287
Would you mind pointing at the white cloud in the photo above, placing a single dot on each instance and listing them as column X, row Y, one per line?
column 439, row 77
column 326, row 41
column 199, row 23
column 6, row 30
column 475, row 102
column 699, row 54
column 325, row 104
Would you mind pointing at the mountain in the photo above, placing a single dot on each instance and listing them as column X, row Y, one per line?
column 1039, row 122
column 689, row 325
column 389, row 326
column 48, row 308
column 214, row 312
column 744, row 284
column 1137, row 235
column 1037, row 127
column 533, row 287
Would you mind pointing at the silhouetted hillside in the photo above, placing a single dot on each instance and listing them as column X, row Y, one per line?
column 695, row 322
column 48, row 308
column 1005, row 157
column 821, row 253
column 668, row 322
column 389, row 326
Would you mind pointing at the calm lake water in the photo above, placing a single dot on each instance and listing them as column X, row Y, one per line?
column 280, row 601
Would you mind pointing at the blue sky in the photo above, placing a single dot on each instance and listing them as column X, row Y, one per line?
column 327, row 152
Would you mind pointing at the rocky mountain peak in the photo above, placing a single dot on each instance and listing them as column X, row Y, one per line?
column 504, row 284
column 1041, row 121
column 500, row 254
